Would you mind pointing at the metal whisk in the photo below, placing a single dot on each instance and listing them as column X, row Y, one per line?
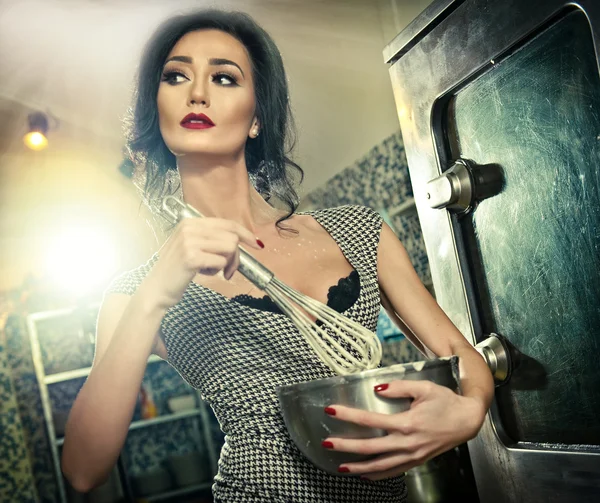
column 352, row 349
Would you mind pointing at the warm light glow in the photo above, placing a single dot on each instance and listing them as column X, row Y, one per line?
column 35, row 140
column 81, row 259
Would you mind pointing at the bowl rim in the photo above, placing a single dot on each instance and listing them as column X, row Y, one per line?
column 406, row 368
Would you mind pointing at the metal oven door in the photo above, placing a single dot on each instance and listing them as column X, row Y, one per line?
column 499, row 106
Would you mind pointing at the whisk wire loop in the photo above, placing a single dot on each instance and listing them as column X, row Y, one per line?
column 329, row 316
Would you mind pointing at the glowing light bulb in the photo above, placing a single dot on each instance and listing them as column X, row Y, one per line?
column 35, row 140
column 81, row 259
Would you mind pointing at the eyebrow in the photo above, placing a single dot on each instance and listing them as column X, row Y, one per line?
column 212, row 61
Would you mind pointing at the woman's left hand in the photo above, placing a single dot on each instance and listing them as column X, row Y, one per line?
column 438, row 420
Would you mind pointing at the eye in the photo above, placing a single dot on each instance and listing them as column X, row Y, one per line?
column 224, row 79
column 173, row 77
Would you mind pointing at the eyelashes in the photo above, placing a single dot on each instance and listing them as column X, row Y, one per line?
column 218, row 77
column 174, row 77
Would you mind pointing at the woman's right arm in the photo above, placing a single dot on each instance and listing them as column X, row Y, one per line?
column 100, row 417
column 127, row 332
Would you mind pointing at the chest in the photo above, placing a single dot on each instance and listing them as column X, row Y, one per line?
column 310, row 261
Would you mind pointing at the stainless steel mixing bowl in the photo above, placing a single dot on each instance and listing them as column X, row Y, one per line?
column 303, row 405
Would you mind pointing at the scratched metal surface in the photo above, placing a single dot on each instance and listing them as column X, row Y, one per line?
column 537, row 245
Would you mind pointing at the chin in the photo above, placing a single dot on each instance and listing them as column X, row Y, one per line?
column 203, row 146
column 199, row 150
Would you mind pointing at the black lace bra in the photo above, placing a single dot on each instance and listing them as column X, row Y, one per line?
column 340, row 297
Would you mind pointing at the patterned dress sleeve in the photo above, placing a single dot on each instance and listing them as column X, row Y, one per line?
column 365, row 224
column 129, row 281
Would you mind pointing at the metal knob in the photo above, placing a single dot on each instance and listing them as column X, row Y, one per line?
column 496, row 354
column 453, row 189
column 462, row 186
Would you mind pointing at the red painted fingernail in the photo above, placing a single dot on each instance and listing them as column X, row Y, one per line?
column 382, row 387
column 327, row 444
column 343, row 469
column 330, row 411
column 260, row 243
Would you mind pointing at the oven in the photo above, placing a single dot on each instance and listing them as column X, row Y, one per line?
column 499, row 107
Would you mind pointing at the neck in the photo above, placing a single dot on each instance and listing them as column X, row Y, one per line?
column 222, row 190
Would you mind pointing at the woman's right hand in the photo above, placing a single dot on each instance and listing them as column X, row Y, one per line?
column 198, row 245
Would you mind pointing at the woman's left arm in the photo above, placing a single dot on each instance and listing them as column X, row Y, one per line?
column 438, row 418
column 418, row 310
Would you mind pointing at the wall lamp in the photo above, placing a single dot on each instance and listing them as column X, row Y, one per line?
column 36, row 136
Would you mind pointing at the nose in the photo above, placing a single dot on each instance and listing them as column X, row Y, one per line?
column 199, row 94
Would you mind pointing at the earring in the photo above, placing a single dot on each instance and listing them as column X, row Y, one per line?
column 255, row 132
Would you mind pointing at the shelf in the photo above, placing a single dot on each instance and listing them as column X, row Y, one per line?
column 83, row 372
column 67, row 376
column 201, row 425
column 176, row 492
column 136, row 425
column 405, row 207
column 61, row 313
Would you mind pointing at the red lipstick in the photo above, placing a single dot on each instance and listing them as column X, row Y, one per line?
column 197, row 121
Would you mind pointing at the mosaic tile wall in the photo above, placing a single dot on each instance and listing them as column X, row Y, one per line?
column 16, row 476
column 381, row 181
column 30, row 409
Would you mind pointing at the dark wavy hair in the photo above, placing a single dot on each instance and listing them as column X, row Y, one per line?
column 269, row 167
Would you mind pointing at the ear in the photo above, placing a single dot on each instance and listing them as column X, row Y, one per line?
column 255, row 128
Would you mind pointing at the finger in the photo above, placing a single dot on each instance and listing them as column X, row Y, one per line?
column 222, row 243
column 232, row 266
column 392, row 461
column 365, row 418
column 244, row 235
column 225, row 245
column 386, row 474
column 212, row 264
column 375, row 445
column 404, row 388
column 393, row 464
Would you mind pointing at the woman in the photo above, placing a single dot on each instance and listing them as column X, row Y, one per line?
column 212, row 106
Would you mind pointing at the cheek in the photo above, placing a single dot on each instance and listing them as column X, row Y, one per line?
column 240, row 113
column 163, row 109
column 167, row 122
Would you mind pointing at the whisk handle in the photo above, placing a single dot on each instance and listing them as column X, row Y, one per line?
column 253, row 270
column 249, row 267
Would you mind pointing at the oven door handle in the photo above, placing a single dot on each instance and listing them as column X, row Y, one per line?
column 496, row 352
column 463, row 185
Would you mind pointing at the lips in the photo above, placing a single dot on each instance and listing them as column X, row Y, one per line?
column 197, row 121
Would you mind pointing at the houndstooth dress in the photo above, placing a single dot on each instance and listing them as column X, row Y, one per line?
column 237, row 355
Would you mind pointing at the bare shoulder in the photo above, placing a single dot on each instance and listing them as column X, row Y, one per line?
column 305, row 222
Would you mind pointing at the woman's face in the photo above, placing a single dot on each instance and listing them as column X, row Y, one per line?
column 207, row 72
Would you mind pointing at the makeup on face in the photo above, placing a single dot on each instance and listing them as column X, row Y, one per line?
column 173, row 74
column 211, row 61
column 197, row 121
column 206, row 99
